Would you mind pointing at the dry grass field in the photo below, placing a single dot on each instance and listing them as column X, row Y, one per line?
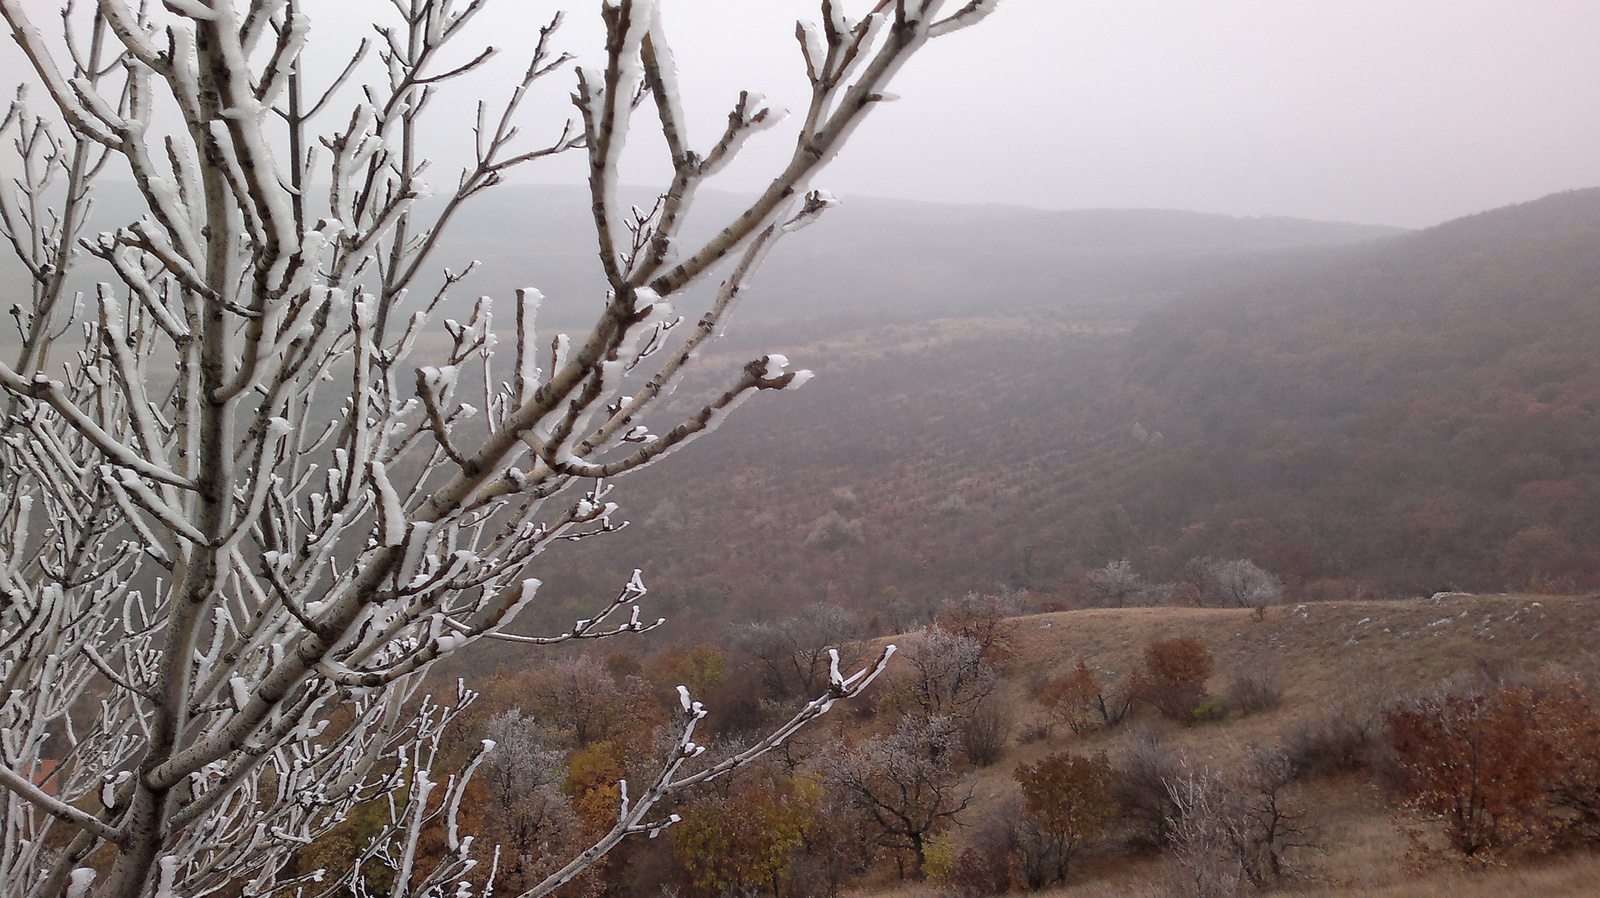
column 1356, row 655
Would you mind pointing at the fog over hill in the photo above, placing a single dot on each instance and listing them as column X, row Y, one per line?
column 867, row 259
column 1013, row 396
column 1399, row 416
column 899, row 259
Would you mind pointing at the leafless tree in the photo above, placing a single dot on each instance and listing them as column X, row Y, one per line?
column 1206, row 834
column 943, row 675
column 1115, row 584
column 237, row 526
column 792, row 652
column 1241, row 583
column 904, row 782
column 535, row 819
column 1237, row 828
column 576, row 696
column 1272, row 814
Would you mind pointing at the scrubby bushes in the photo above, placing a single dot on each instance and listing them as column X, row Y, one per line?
column 1172, row 680
column 1067, row 800
column 1174, row 676
column 1511, row 769
column 1256, row 686
column 1342, row 739
column 1081, row 701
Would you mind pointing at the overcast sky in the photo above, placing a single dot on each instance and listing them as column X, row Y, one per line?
column 1403, row 112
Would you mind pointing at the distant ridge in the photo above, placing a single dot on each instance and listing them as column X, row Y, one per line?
column 869, row 257
column 1407, row 415
column 901, row 257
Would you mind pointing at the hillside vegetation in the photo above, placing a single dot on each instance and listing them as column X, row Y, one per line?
column 1339, row 667
column 1417, row 414
column 1290, row 723
column 1217, row 583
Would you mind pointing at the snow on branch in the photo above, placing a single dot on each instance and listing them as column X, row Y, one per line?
column 259, row 480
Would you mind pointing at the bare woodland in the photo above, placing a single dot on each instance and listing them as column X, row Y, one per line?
column 250, row 491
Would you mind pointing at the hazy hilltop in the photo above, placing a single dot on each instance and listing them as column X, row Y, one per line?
column 866, row 260
column 1017, row 396
column 1419, row 414
column 895, row 259
column 1399, row 416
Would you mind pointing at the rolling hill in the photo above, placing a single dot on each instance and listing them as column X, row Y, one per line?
column 1414, row 413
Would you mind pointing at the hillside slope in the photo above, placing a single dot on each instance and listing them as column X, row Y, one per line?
column 1346, row 661
column 1417, row 414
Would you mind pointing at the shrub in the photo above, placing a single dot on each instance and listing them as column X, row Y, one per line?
column 1068, row 800
column 981, row 619
column 1078, row 699
column 1209, row 711
column 1514, row 769
column 1341, row 740
column 986, row 730
column 1256, row 686
column 1174, row 677
column 982, row 869
column 743, row 841
column 1140, row 790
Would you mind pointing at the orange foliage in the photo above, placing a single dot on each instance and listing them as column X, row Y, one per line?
column 1174, row 677
column 1514, row 769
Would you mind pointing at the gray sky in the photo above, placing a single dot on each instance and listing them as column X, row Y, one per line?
column 1404, row 112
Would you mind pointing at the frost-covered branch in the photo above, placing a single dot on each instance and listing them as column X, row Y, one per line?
column 246, row 501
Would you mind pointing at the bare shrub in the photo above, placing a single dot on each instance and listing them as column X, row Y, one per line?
column 1140, row 789
column 985, row 731
column 1342, row 739
column 1256, row 686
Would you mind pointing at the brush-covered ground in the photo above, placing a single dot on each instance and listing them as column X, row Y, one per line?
column 1331, row 659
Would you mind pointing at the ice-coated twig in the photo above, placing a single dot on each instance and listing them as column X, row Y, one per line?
column 237, row 407
column 632, row 817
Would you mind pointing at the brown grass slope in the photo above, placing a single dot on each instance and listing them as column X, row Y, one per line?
column 1333, row 654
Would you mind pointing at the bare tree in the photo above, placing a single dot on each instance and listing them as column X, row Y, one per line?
column 1116, row 583
column 1206, row 836
column 792, row 652
column 577, row 696
column 534, row 819
column 904, row 782
column 237, row 526
column 1241, row 583
column 944, row 675
column 1236, row 829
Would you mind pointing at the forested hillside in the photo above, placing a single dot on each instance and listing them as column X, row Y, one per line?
column 1412, row 414
column 1423, row 414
